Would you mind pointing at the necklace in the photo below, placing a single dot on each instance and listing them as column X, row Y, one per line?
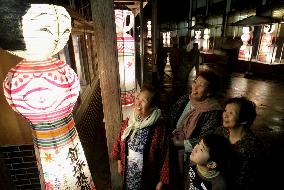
column 209, row 174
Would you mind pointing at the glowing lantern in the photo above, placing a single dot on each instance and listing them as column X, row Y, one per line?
column 267, row 51
column 245, row 49
column 206, row 37
column 168, row 39
column 44, row 91
column 164, row 39
column 126, row 55
column 197, row 37
column 149, row 26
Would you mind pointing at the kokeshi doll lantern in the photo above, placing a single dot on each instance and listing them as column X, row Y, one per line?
column 44, row 90
column 126, row 55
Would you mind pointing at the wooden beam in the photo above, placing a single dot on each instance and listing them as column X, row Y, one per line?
column 105, row 43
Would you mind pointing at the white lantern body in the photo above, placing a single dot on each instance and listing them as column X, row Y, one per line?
column 126, row 55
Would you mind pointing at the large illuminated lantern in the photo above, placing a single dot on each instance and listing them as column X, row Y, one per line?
column 246, row 48
column 126, row 55
column 44, row 90
column 267, row 51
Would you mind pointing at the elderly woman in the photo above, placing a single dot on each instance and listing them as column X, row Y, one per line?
column 238, row 117
column 141, row 148
column 196, row 115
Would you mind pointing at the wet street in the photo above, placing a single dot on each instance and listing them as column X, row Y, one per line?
column 269, row 123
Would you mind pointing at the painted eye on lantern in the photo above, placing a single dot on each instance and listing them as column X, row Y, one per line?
column 41, row 98
column 66, row 31
column 46, row 30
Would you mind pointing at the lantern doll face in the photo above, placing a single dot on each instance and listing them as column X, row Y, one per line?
column 46, row 30
column 122, row 26
column 206, row 34
column 246, row 35
column 197, row 34
column 269, row 28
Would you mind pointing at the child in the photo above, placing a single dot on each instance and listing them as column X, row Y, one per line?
column 210, row 160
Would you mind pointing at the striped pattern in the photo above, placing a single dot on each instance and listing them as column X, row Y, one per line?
column 42, row 91
column 128, row 97
column 55, row 134
column 125, row 44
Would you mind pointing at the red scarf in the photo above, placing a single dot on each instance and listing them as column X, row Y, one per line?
column 190, row 121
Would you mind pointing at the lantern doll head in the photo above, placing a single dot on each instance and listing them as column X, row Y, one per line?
column 197, row 34
column 206, row 34
column 42, row 88
column 246, row 35
column 46, row 30
column 267, row 36
column 121, row 18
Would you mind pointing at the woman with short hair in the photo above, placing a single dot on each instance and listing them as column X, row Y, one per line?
column 141, row 148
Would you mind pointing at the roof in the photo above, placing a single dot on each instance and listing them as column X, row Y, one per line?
column 255, row 20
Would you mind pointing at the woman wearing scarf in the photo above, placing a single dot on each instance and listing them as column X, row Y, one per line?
column 141, row 148
column 195, row 115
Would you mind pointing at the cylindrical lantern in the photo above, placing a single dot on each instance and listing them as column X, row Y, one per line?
column 126, row 55
column 206, row 37
column 44, row 91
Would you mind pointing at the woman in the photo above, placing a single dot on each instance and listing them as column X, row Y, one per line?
column 141, row 148
column 238, row 117
column 198, row 114
column 194, row 116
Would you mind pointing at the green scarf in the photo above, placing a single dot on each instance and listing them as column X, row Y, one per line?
column 136, row 124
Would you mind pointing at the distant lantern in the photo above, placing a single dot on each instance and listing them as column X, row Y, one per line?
column 149, row 27
column 206, row 37
column 246, row 48
column 197, row 37
column 124, row 20
column 168, row 39
column 44, row 91
column 267, row 50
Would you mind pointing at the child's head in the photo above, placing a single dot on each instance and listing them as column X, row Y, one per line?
column 213, row 151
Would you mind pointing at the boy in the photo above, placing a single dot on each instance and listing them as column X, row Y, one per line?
column 210, row 163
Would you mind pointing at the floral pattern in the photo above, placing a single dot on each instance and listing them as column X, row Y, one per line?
column 134, row 165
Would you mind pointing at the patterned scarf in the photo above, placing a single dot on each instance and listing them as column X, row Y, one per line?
column 190, row 121
column 136, row 124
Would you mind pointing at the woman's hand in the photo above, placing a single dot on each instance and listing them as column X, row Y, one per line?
column 177, row 142
column 159, row 186
column 119, row 167
column 179, row 134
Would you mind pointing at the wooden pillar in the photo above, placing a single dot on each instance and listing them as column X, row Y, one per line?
column 105, row 42
column 154, row 43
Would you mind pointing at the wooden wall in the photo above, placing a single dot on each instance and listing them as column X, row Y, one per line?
column 14, row 128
